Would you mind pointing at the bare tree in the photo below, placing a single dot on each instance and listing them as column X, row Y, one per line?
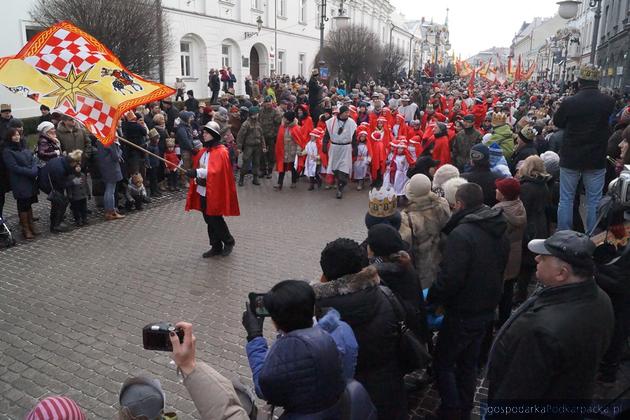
column 129, row 28
column 353, row 53
column 393, row 60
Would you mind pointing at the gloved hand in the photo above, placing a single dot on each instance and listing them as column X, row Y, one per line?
column 191, row 173
column 252, row 323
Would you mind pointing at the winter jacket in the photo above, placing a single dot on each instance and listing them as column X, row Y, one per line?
column 270, row 120
column 5, row 183
column 470, row 280
column 552, row 349
column 47, row 148
column 482, row 176
column 78, row 188
column 301, row 372
column 460, row 148
column 521, row 153
column 108, row 162
column 184, row 137
column 516, row 217
column 73, row 139
column 536, row 198
column 136, row 134
column 366, row 309
column 584, row 116
column 426, row 217
column 213, row 394
column 401, row 278
column 502, row 135
column 215, row 83
column 250, row 134
column 21, row 168
column 55, row 174
column 344, row 338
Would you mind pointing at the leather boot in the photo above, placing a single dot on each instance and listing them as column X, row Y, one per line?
column 26, row 229
column 241, row 178
column 255, row 181
column 31, row 220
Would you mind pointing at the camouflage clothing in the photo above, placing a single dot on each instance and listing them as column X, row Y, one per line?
column 250, row 134
column 270, row 120
column 462, row 143
column 425, row 216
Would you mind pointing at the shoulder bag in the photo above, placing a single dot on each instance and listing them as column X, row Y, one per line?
column 412, row 353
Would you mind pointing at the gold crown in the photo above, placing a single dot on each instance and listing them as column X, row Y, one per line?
column 589, row 72
column 382, row 202
column 498, row 118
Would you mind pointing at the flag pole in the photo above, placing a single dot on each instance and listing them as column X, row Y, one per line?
column 149, row 153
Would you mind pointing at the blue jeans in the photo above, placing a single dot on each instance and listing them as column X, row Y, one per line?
column 593, row 181
column 108, row 196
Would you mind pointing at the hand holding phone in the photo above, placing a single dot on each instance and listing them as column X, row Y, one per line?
column 252, row 323
column 257, row 304
column 156, row 336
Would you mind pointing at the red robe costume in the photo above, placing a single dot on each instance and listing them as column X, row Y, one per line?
column 426, row 118
column 378, row 151
column 479, row 111
column 296, row 133
column 442, row 150
column 307, row 126
column 221, row 198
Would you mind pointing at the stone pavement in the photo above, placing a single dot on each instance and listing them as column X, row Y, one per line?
column 72, row 306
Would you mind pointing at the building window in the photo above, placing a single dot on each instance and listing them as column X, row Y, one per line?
column 280, row 70
column 282, row 8
column 184, row 51
column 31, row 32
column 256, row 4
column 302, row 16
column 225, row 56
column 301, row 65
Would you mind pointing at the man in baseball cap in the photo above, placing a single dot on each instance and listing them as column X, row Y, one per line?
column 550, row 348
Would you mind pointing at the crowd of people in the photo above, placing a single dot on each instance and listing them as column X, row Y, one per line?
column 474, row 192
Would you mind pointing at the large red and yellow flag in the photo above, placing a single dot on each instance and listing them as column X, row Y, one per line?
column 73, row 73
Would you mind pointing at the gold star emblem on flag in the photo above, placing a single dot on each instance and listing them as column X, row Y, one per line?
column 68, row 87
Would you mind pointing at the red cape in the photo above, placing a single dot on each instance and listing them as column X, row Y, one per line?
column 296, row 133
column 442, row 150
column 221, row 198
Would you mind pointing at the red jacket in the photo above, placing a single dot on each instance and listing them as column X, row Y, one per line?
column 296, row 133
column 221, row 198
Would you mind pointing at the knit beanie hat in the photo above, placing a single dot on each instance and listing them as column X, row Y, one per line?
column 384, row 240
column 510, row 188
column 394, row 220
column 45, row 126
column 443, row 174
column 479, row 153
column 56, row 408
column 418, row 186
column 551, row 161
column 496, row 155
column 450, row 188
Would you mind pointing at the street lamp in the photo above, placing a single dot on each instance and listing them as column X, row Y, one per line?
column 567, row 9
column 259, row 23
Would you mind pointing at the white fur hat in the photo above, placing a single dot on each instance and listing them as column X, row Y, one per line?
column 418, row 186
column 45, row 126
column 450, row 188
column 443, row 174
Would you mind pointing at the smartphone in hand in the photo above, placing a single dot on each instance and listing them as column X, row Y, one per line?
column 256, row 303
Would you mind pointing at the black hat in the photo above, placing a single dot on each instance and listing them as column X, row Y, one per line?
column 384, row 240
column 190, row 92
column 343, row 109
column 572, row 247
column 289, row 115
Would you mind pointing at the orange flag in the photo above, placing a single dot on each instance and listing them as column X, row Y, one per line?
column 73, row 73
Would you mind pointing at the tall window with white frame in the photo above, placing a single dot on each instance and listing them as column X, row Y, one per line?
column 185, row 60
column 282, row 8
column 302, row 15
column 225, row 55
column 301, row 64
column 280, row 69
column 257, row 4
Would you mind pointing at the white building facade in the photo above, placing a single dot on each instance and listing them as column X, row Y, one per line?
column 210, row 34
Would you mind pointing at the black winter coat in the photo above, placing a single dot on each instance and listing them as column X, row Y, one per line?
column 521, row 153
column 552, row 350
column 21, row 170
column 366, row 309
column 584, row 116
column 137, row 134
column 5, row 184
column 483, row 177
column 470, row 280
column 402, row 279
column 215, row 83
column 536, row 199
column 56, row 173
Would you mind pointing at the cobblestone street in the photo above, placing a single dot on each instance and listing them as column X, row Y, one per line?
column 72, row 306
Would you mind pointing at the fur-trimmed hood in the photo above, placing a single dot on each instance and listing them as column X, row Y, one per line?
column 351, row 283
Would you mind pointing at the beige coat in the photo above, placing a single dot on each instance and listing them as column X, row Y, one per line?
column 213, row 394
column 427, row 215
column 514, row 212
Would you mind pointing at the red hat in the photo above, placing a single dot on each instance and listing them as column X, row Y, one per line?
column 510, row 188
column 56, row 408
column 400, row 117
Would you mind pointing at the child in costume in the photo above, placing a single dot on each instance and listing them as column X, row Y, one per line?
column 313, row 162
column 362, row 161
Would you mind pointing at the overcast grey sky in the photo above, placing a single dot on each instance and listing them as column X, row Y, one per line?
column 476, row 25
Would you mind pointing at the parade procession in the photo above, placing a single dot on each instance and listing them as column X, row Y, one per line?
column 452, row 242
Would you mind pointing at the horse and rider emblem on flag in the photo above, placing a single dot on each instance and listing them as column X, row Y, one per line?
column 73, row 73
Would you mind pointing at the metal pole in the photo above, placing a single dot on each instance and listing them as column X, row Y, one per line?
column 410, row 44
column 321, row 25
column 435, row 64
column 598, row 15
column 553, row 61
column 564, row 65
column 275, row 36
column 158, row 7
